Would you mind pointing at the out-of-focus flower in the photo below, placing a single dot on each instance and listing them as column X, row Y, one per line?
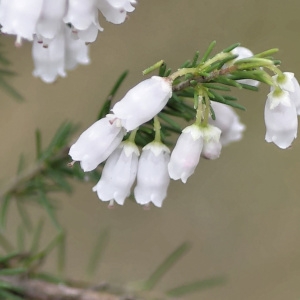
column 211, row 142
column 228, row 121
column 118, row 174
column 152, row 177
column 97, row 142
column 50, row 21
column 49, row 62
column 76, row 51
column 243, row 52
column 115, row 11
column 19, row 17
column 62, row 53
column 186, row 154
column 280, row 119
column 143, row 102
column 46, row 19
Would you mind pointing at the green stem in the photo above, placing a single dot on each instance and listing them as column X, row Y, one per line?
column 207, row 110
column 182, row 72
column 132, row 136
column 157, row 130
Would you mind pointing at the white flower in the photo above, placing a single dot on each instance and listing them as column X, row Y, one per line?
column 186, row 154
column 243, row 52
column 152, row 177
column 81, row 14
column 290, row 84
column 76, row 51
column 228, row 121
column 143, row 102
column 62, row 53
column 118, row 174
column 49, row 62
column 96, row 143
column 295, row 95
column 19, row 17
column 50, row 20
column 115, row 11
column 285, row 82
column 212, row 145
column 280, row 119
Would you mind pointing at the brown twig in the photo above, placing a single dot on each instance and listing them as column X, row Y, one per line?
column 34, row 289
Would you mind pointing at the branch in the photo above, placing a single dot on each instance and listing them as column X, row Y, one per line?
column 203, row 79
column 34, row 289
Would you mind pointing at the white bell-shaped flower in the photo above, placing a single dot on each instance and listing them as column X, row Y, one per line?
column 50, row 20
column 228, row 121
column 98, row 142
column 290, row 84
column 295, row 95
column 243, row 52
column 76, row 51
column 118, row 174
column 280, row 119
column 152, row 177
column 49, row 62
column 211, row 142
column 88, row 35
column 143, row 102
column 81, row 14
column 285, row 82
column 115, row 11
column 186, row 154
column 19, row 17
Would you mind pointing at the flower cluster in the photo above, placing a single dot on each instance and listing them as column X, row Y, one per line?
column 215, row 124
column 155, row 167
column 60, row 30
column 103, row 140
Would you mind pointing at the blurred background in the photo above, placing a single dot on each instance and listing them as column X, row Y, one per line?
column 241, row 212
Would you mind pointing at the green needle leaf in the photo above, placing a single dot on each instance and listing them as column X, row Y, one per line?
column 165, row 266
column 106, row 106
column 208, row 51
column 195, row 286
column 98, row 251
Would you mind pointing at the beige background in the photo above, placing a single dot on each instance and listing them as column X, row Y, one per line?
column 241, row 212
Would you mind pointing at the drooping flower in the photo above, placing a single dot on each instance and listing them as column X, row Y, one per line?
column 76, row 51
column 280, row 119
column 228, row 121
column 118, row 174
column 290, row 84
column 63, row 52
column 243, row 52
column 115, row 11
column 211, row 142
column 186, row 154
column 152, row 177
column 19, row 17
column 97, row 142
column 143, row 102
column 50, row 20
column 49, row 62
